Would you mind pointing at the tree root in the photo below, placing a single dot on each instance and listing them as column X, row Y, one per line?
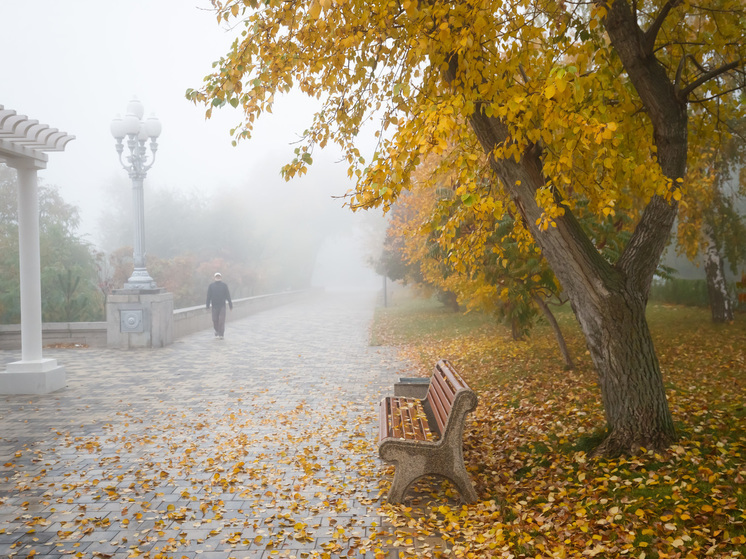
column 619, row 443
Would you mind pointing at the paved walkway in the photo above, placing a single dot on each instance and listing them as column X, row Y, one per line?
column 256, row 446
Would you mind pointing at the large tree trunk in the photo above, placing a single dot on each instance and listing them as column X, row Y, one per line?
column 609, row 300
column 717, row 288
column 621, row 346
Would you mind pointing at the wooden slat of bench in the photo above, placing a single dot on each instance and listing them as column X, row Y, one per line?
column 419, row 420
column 404, row 418
column 451, row 375
column 397, row 420
column 440, row 397
column 446, row 391
column 410, row 415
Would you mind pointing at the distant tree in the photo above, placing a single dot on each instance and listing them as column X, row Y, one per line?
column 120, row 267
column 712, row 228
column 69, row 281
column 406, row 257
column 392, row 262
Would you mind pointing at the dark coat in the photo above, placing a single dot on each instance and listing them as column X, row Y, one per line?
column 217, row 295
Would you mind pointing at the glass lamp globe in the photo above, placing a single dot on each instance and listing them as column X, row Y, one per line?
column 135, row 107
column 153, row 127
column 118, row 128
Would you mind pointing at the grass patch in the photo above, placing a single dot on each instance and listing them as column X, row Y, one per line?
column 586, row 443
column 422, row 318
column 680, row 292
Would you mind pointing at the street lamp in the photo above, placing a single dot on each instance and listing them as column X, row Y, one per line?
column 137, row 131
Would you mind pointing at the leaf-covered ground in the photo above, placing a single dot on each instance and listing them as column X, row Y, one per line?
column 273, row 453
column 526, row 445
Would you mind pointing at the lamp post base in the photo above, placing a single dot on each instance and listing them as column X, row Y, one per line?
column 140, row 286
column 140, row 279
column 138, row 318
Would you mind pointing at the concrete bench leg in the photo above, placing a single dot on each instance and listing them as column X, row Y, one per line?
column 401, row 484
column 463, row 483
column 398, row 488
column 413, row 462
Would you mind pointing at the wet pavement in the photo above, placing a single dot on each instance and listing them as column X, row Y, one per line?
column 259, row 445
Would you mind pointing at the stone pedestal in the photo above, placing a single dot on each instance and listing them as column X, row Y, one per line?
column 32, row 377
column 139, row 318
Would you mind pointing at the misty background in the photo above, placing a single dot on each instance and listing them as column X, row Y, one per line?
column 75, row 65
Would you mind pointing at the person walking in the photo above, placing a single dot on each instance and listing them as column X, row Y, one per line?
column 217, row 295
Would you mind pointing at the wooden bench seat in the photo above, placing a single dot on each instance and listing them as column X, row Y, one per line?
column 425, row 436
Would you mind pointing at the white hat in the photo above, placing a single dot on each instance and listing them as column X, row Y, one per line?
column 218, row 275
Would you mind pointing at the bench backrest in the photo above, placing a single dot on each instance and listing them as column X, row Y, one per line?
column 445, row 386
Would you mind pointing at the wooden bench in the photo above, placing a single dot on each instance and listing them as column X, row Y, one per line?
column 425, row 436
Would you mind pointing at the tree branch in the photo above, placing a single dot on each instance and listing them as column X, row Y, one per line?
column 684, row 93
column 642, row 253
column 523, row 74
column 679, row 71
column 722, row 93
column 652, row 33
column 669, row 119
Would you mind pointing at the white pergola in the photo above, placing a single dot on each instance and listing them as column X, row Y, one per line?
column 23, row 143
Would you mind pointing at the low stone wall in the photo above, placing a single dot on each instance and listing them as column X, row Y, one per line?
column 195, row 319
column 186, row 321
column 92, row 334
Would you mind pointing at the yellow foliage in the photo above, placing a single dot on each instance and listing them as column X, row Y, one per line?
column 545, row 69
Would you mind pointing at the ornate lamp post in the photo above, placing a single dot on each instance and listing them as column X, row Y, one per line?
column 137, row 131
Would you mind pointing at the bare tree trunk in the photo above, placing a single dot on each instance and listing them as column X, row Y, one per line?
column 717, row 288
column 557, row 332
column 515, row 330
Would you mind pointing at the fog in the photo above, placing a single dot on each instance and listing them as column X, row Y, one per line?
column 75, row 65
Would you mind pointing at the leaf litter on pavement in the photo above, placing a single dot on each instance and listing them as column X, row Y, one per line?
column 243, row 476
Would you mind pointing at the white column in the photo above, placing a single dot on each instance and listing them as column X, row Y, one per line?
column 30, row 264
column 32, row 374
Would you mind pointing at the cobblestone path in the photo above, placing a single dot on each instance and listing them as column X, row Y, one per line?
column 259, row 445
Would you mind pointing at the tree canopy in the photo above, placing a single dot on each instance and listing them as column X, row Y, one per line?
column 538, row 109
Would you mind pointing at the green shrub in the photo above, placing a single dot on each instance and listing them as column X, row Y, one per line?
column 678, row 291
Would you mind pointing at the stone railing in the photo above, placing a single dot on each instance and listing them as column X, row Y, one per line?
column 186, row 321
column 92, row 334
column 194, row 319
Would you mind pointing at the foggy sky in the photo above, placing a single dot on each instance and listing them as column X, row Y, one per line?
column 74, row 65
